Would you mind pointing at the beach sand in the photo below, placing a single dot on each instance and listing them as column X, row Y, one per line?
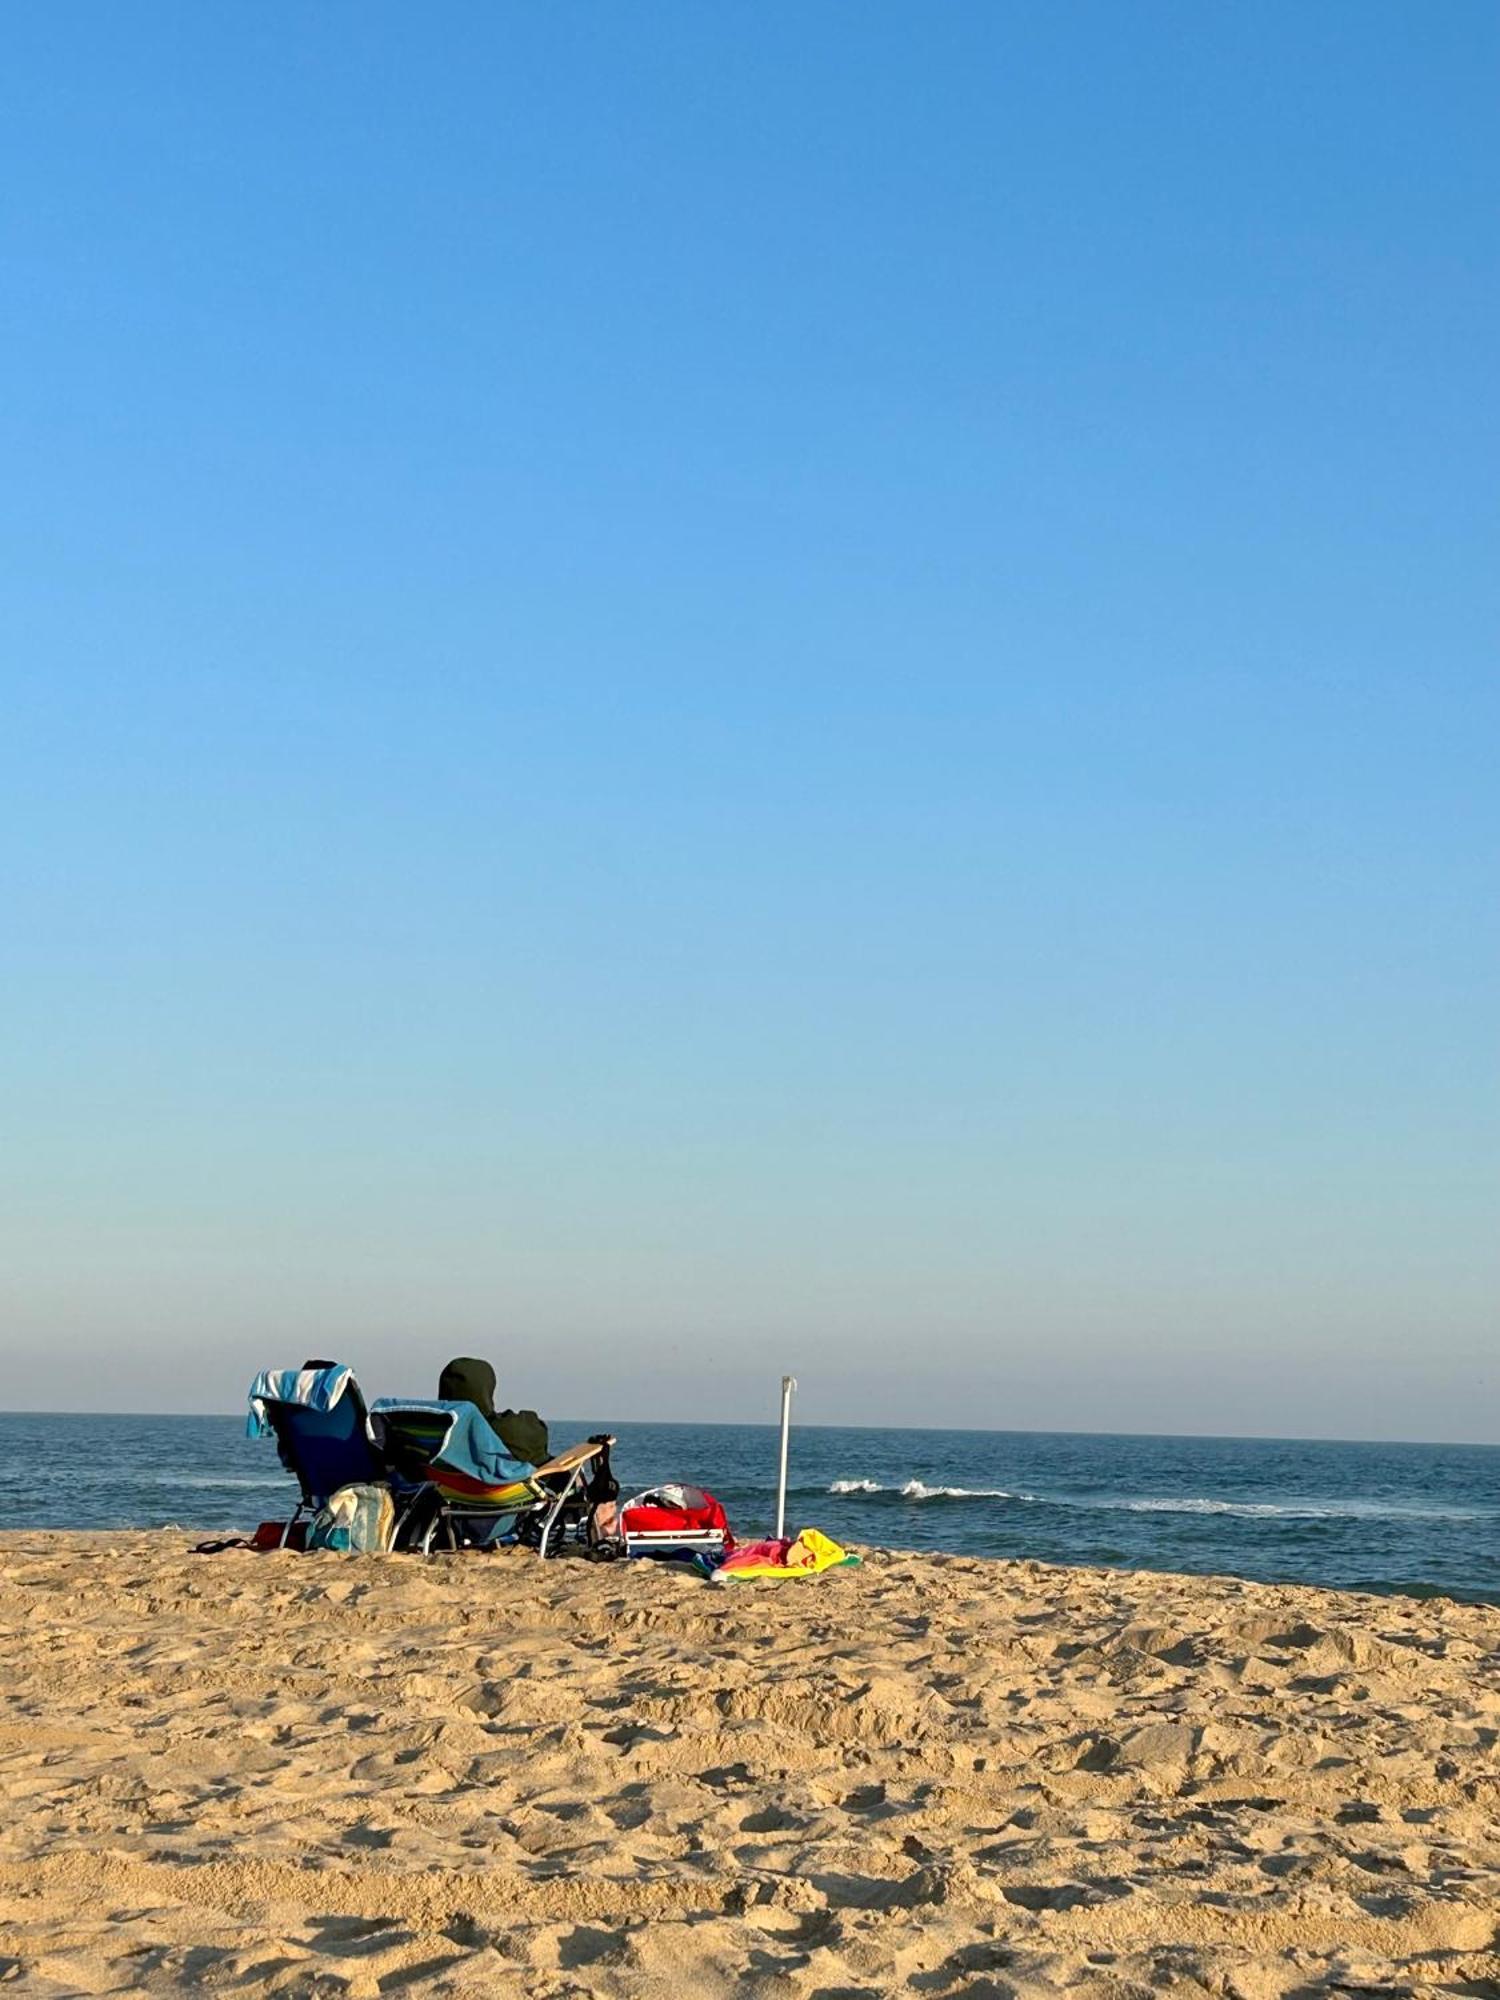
column 930, row 1776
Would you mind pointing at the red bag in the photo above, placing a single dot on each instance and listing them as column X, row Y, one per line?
column 270, row 1533
column 675, row 1520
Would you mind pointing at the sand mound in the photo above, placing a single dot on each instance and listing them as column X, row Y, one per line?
column 941, row 1777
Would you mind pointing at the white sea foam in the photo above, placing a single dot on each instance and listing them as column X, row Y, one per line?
column 116, row 1475
column 1290, row 1510
column 203, row 1479
column 1296, row 1510
column 914, row 1489
column 917, row 1489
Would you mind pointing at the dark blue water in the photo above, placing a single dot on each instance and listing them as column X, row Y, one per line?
column 1392, row 1517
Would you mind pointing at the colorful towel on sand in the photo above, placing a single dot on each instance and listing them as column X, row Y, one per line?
column 807, row 1554
column 309, row 1388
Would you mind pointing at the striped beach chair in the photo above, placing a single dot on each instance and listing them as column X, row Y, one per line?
column 456, row 1483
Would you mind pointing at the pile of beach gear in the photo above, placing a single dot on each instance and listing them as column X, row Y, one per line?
column 427, row 1476
column 676, row 1522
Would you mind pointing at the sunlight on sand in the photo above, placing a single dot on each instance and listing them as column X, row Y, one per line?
column 936, row 1776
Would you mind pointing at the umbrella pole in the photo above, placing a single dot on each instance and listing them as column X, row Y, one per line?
column 788, row 1384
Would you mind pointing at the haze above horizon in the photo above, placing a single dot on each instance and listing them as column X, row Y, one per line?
column 688, row 694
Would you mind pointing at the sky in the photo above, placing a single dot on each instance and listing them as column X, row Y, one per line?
column 688, row 692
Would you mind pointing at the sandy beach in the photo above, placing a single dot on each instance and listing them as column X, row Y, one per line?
column 928, row 1775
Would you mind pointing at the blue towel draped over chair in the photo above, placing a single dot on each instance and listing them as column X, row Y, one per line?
column 321, row 1427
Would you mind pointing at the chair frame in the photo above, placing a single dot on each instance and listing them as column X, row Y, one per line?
column 573, row 1466
column 578, row 1462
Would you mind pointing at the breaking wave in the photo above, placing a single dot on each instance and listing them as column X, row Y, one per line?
column 917, row 1489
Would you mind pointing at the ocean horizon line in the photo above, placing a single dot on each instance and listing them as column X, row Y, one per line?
column 955, row 1430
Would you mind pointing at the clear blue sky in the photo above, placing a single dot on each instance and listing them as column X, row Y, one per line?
column 691, row 690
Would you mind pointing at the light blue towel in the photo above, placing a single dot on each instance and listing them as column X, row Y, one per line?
column 309, row 1388
column 471, row 1446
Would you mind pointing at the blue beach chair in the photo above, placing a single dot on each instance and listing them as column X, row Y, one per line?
column 322, row 1430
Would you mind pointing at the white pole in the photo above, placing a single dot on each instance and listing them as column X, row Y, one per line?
column 788, row 1384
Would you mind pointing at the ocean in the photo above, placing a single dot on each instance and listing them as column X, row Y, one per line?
column 1415, row 1518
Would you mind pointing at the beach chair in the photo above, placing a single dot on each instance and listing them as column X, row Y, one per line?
column 322, row 1430
column 578, row 1480
column 456, row 1482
